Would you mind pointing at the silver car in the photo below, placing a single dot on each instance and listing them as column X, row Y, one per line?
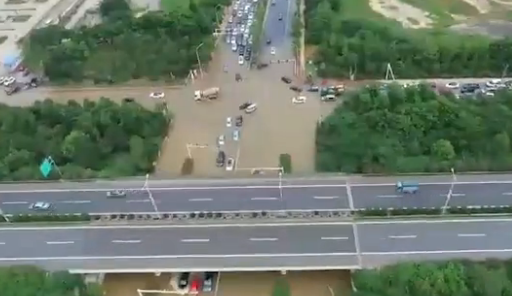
column 41, row 206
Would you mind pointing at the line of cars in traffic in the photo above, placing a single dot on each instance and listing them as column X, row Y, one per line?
column 238, row 30
column 222, row 160
column 487, row 89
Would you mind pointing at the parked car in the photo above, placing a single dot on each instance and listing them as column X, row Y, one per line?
column 221, row 158
column 239, row 120
column 157, row 95
column 299, row 100
column 286, row 80
column 244, row 105
column 183, row 280
column 208, row 281
column 230, row 164
column 296, row 88
column 220, row 140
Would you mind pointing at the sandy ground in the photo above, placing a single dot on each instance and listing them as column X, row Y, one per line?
column 408, row 15
column 235, row 284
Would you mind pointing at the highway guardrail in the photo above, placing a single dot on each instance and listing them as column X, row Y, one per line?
column 260, row 215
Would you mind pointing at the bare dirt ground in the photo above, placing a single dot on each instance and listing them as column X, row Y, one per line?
column 127, row 284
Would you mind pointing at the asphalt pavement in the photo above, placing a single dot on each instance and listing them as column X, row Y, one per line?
column 244, row 247
column 316, row 194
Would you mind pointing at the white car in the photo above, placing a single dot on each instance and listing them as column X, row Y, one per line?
column 236, row 135
column 41, row 206
column 230, row 20
column 493, row 83
column 157, row 95
column 233, row 46
column 230, row 164
column 240, row 60
column 221, row 141
column 299, row 100
column 452, row 85
column 229, row 122
column 9, row 80
column 272, row 50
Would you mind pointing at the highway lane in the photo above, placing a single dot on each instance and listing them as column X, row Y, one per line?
column 316, row 195
column 254, row 241
column 275, row 246
column 279, row 31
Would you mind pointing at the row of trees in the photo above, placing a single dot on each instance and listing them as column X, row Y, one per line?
column 32, row 281
column 95, row 139
column 156, row 45
column 413, row 129
column 449, row 278
column 351, row 44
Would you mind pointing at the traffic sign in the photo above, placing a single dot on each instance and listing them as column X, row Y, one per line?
column 46, row 167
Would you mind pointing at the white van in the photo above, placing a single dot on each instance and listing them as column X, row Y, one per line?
column 251, row 108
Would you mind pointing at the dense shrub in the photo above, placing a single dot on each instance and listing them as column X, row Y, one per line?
column 187, row 168
column 285, row 161
column 93, row 139
column 413, row 129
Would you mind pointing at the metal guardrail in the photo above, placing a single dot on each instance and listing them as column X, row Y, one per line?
column 221, row 216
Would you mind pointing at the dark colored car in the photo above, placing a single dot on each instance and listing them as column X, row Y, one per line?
column 296, row 88
column 247, row 57
column 183, row 280
column 314, row 88
column 269, row 41
column 239, row 120
column 280, row 17
column 221, row 159
column 286, row 80
column 469, row 88
column 244, row 106
column 208, row 281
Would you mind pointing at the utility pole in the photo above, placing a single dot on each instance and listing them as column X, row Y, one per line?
column 389, row 72
column 199, row 60
column 281, row 184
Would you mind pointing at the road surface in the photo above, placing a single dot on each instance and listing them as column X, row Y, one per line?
column 250, row 195
column 245, row 247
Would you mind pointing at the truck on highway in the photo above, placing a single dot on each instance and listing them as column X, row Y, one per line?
column 211, row 93
column 407, row 187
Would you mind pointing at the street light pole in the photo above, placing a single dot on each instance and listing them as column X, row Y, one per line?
column 199, row 60
column 146, row 186
column 450, row 192
column 281, row 184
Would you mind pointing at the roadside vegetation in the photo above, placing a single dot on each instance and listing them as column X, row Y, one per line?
column 33, row 281
column 447, row 278
column 395, row 129
column 350, row 38
column 96, row 139
column 157, row 45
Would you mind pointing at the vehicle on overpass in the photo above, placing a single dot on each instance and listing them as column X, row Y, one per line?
column 407, row 187
column 209, row 93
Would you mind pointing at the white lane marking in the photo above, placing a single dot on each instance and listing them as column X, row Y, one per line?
column 15, row 202
column 60, row 243
column 471, row 234
column 334, row 238
column 2, row 243
column 264, row 198
column 263, row 239
column 76, row 201
column 402, row 236
column 138, row 200
column 200, row 199
column 326, row 197
column 389, row 196
column 126, row 241
column 154, row 189
column 195, row 240
column 507, row 193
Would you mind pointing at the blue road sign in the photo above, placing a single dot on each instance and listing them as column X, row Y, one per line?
column 46, row 167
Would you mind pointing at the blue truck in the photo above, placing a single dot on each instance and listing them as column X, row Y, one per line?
column 407, row 187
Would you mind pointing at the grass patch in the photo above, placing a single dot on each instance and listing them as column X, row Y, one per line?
column 174, row 5
column 3, row 39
